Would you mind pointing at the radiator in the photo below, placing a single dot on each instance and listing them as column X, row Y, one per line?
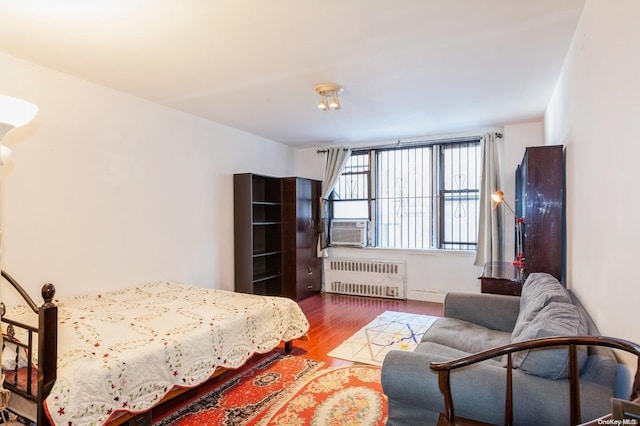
column 362, row 277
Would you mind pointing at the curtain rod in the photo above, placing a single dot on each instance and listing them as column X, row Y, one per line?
column 399, row 143
column 322, row 151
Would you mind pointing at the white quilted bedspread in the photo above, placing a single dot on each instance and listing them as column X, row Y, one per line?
column 124, row 350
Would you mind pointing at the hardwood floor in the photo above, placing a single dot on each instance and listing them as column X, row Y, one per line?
column 332, row 319
column 335, row 317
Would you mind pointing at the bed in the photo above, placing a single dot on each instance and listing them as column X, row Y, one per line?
column 99, row 358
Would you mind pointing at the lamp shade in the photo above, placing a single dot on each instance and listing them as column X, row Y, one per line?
column 497, row 196
column 16, row 112
column 5, row 155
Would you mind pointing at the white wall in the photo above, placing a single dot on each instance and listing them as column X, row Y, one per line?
column 595, row 112
column 105, row 189
column 516, row 138
column 431, row 274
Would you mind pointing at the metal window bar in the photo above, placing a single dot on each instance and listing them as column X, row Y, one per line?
column 419, row 196
column 404, row 176
column 459, row 195
column 353, row 183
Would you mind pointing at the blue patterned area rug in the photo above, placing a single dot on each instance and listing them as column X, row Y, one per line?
column 389, row 331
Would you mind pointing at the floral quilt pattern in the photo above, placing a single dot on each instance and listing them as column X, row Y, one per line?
column 125, row 349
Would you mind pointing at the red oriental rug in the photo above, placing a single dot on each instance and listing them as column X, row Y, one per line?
column 238, row 400
column 334, row 397
column 290, row 390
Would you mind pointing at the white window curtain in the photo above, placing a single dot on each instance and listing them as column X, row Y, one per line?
column 335, row 160
column 490, row 222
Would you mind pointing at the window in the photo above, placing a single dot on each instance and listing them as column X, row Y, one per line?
column 422, row 196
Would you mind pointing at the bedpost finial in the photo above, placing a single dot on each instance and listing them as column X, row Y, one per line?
column 48, row 292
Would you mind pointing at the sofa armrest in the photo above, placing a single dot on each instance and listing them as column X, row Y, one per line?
column 494, row 311
column 410, row 384
column 407, row 377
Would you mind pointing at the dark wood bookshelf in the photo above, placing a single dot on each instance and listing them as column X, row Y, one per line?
column 258, row 234
column 276, row 235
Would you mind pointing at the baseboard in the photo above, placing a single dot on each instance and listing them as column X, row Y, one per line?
column 426, row 296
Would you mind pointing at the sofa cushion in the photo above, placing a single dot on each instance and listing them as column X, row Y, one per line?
column 555, row 319
column 465, row 336
column 538, row 291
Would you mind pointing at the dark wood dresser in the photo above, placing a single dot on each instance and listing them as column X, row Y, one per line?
column 501, row 278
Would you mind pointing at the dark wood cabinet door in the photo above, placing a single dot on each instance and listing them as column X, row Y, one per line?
column 304, row 218
column 302, row 275
column 540, row 201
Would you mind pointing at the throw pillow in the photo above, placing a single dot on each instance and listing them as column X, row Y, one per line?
column 555, row 319
column 538, row 291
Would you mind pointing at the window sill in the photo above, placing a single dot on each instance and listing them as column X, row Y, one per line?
column 424, row 252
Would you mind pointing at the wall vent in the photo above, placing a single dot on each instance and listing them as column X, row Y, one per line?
column 362, row 277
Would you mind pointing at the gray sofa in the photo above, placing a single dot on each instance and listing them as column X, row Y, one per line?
column 477, row 322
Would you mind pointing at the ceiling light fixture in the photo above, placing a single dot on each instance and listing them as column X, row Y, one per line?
column 329, row 96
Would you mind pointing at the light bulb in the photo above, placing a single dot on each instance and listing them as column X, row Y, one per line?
column 322, row 103
column 5, row 155
column 333, row 103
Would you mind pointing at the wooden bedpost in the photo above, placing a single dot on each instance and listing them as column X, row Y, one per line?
column 47, row 349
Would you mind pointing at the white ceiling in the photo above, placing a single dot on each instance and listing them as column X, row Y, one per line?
column 409, row 67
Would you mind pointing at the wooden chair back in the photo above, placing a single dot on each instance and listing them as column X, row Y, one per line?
column 444, row 370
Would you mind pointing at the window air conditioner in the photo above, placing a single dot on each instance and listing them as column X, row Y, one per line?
column 348, row 233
